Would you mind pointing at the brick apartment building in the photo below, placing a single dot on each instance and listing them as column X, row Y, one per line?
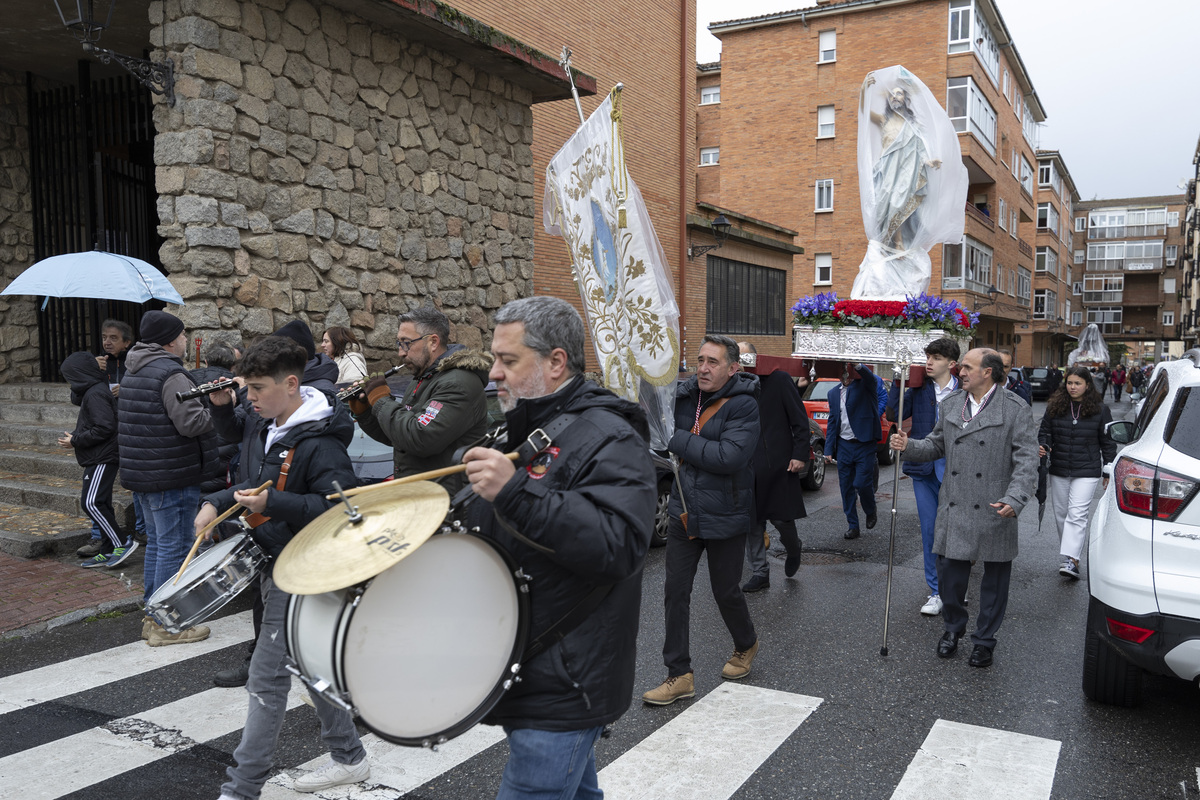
column 777, row 139
column 1045, row 336
column 1131, row 284
column 1188, row 328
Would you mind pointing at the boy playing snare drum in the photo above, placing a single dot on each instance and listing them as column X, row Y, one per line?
column 310, row 430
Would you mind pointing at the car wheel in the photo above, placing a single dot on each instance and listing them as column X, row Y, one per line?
column 886, row 455
column 661, row 515
column 1107, row 676
column 816, row 469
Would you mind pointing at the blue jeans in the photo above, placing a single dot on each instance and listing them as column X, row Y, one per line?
column 926, row 488
column 550, row 765
column 856, row 477
column 170, row 532
column 139, row 524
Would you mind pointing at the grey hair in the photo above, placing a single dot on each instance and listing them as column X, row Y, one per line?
column 732, row 354
column 428, row 320
column 219, row 354
column 991, row 360
column 749, row 347
column 549, row 323
column 120, row 327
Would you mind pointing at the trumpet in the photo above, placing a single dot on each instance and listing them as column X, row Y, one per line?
column 205, row 389
column 350, row 391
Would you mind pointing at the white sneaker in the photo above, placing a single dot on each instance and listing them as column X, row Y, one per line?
column 933, row 606
column 332, row 774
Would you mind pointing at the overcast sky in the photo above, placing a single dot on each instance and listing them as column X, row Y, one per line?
column 1122, row 101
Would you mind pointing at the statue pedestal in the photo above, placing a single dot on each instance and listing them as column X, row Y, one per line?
column 872, row 345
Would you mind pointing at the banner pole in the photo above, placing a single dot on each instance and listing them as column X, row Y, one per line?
column 565, row 63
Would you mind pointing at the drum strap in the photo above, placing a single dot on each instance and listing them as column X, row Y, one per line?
column 254, row 520
column 567, row 623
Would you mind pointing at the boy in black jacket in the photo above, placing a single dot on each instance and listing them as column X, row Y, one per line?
column 316, row 429
column 95, row 442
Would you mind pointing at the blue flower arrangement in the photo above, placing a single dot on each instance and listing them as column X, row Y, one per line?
column 923, row 312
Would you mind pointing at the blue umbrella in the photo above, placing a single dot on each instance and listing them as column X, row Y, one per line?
column 107, row 276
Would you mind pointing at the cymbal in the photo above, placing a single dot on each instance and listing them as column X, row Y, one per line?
column 332, row 552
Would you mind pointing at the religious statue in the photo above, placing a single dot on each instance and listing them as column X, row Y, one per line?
column 910, row 201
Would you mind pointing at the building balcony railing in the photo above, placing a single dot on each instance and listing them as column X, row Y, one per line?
column 1143, row 264
column 1102, row 297
column 972, row 211
column 1025, row 248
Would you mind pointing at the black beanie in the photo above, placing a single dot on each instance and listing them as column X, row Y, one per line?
column 159, row 327
column 301, row 334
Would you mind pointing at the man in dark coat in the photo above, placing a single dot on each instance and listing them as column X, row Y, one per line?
column 779, row 460
column 116, row 337
column 852, row 434
column 987, row 436
column 716, row 433
column 578, row 519
column 1018, row 386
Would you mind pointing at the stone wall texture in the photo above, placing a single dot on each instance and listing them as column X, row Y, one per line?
column 321, row 168
column 18, row 315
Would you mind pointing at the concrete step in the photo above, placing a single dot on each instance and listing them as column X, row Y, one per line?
column 61, row 415
column 55, row 462
column 36, row 392
column 60, row 495
column 31, row 532
column 17, row 433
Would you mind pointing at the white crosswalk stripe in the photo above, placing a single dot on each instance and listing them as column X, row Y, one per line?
column 706, row 752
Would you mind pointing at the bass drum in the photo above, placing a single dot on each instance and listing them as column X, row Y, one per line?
column 423, row 651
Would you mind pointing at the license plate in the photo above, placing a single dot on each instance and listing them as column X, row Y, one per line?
column 820, row 415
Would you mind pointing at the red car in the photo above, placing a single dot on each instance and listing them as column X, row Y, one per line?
column 816, row 403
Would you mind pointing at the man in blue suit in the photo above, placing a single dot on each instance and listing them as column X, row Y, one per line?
column 852, row 435
column 1016, row 385
column 921, row 403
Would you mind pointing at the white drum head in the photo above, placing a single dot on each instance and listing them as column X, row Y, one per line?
column 200, row 566
column 431, row 640
column 313, row 621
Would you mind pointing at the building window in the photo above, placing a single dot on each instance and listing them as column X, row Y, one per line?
column 1045, row 302
column 1026, row 176
column 1146, row 222
column 1044, row 170
column 1024, row 282
column 1076, row 318
column 1006, row 86
column 1106, row 224
column 1046, row 260
column 1168, row 286
column 1047, row 217
column 1171, row 254
column 825, row 195
column 826, row 47
column 1029, row 126
column 1107, row 318
column 745, row 298
column 1103, row 288
column 970, row 110
column 824, row 122
column 1003, row 215
column 1143, row 255
column 1168, row 318
column 1077, row 288
column 1080, row 224
column 970, row 32
column 710, row 95
column 824, row 269
column 710, row 156
column 1080, row 256
column 967, row 266
column 1173, row 219
column 1012, row 228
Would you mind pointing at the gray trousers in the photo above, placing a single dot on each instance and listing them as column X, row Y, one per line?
column 756, row 548
column 268, row 689
column 953, row 577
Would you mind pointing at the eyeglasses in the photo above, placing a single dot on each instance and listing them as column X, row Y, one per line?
column 405, row 344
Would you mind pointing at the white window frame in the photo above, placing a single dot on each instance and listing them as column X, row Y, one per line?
column 824, row 184
column 1171, row 254
column 1077, row 288
column 968, row 31
column 1024, row 284
column 706, row 95
column 1003, row 215
column 1051, row 218
column 1045, row 260
column 1080, row 224
column 1047, row 168
column 827, row 47
column 1168, row 318
column 1029, row 126
column 710, row 156
column 1169, row 285
column 1048, row 299
column 1080, row 256
column 1172, row 219
column 1076, row 318
column 1026, row 175
column 822, row 261
column 825, row 122
column 980, row 117
column 1007, row 87
column 1016, row 217
column 1103, row 288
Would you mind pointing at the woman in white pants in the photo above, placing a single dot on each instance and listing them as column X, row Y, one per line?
column 1073, row 434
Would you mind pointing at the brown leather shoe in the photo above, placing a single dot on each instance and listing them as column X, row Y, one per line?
column 675, row 688
column 738, row 665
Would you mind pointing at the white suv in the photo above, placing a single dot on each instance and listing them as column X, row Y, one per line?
column 1144, row 549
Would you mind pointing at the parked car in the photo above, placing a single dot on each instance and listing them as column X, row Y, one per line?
column 1144, row 548
column 816, row 402
column 1039, row 382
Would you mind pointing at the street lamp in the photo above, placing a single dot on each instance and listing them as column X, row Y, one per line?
column 88, row 19
column 991, row 293
column 720, row 228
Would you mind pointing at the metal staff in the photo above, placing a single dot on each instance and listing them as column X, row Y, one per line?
column 901, row 369
column 565, row 63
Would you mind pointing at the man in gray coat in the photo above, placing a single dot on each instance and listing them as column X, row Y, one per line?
column 988, row 437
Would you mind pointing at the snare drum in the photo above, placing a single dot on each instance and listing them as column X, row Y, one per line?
column 214, row 577
column 425, row 649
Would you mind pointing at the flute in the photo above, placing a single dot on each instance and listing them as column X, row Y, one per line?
column 350, row 391
column 206, row 388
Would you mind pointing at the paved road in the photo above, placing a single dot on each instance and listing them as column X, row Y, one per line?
column 86, row 714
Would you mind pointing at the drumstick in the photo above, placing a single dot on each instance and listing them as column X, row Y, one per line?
column 206, row 528
column 420, row 476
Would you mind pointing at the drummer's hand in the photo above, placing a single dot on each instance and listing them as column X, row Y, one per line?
column 257, row 503
column 488, row 470
column 207, row 514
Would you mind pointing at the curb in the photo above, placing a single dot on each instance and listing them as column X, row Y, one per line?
column 72, row 617
column 26, row 545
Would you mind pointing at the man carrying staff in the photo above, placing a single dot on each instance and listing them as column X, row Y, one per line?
column 578, row 519
column 444, row 407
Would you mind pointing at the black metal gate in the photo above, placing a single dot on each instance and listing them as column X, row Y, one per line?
column 92, row 186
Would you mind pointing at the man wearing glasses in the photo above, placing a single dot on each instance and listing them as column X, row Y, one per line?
column 444, row 407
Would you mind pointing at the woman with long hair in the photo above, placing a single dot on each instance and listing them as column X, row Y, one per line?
column 1073, row 434
column 341, row 345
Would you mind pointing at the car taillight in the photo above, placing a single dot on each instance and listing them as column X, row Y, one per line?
column 1146, row 491
column 1130, row 633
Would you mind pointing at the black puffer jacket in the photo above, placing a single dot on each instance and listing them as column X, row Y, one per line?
column 1077, row 451
column 590, row 498
column 95, row 434
column 226, row 448
column 320, row 459
column 717, row 476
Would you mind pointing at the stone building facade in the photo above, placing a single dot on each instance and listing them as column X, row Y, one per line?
column 18, row 319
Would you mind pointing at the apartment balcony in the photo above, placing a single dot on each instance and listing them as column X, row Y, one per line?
column 1025, row 248
column 979, row 216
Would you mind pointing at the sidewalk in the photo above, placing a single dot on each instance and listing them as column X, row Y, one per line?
column 42, row 593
